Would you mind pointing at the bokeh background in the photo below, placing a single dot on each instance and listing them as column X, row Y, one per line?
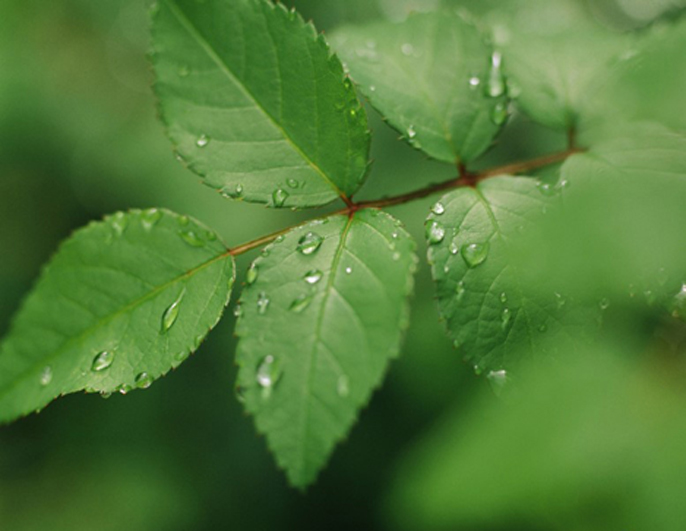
column 79, row 138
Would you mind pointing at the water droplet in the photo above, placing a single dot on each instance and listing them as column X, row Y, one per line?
column 347, row 83
column 498, row 380
column 105, row 394
column 119, row 223
column 102, row 361
column 460, row 291
column 143, row 380
column 343, row 386
column 503, row 297
column 279, row 197
column 251, row 274
column 396, row 256
column 302, row 302
column 237, row 310
column 407, row 49
column 372, row 88
column 604, row 304
column 438, row 209
column 499, row 113
column 46, row 376
column 353, row 113
column 474, row 82
column 268, row 372
column 191, row 238
column 505, row 318
column 454, row 248
column 292, row 183
column 547, row 189
column 496, row 81
column 262, row 303
column 239, row 190
column 202, row 141
column 150, row 217
column 310, row 243
column 313, row 276
column 411, row 133
column 183, row 220
column 560, row 301
column 123, row 389
column 348, row 270
column 395, row 235
column 457, row 344
column 679, row 303
column 475, row 254
column 180, row 357
column 171, row 314
column 435, row 232
column 478, row 370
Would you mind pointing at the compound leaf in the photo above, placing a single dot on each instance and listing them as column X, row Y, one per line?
column 256, row 103
column 324, row 311
column 434, row 78
column 122, row 302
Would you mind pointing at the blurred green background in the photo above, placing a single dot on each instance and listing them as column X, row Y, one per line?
column 79, row 138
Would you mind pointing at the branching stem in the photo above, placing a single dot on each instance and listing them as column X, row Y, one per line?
column 464, row 179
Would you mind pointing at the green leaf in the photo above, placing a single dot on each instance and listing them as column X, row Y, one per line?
column 647, row 83
column 622, row 225
column 323, row 315
column 484, row 292
column 554, row 71
column 256, row 103
column 433, row 78
column 122, row 302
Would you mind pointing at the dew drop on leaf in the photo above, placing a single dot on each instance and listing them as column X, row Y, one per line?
column 251, row 274
column 411, row 133
column 171, row 314
column 46, row 376
column 279, row 197
column 300, row 303
column 496, row 81
column 475, row 254
column 407, row 49
column 262, row 303
column 503, row 297
column 310, row 243
column 604, row 304
column 505, row 318
column 498, row 380
column 679, row 303
column 348, row 270
column 102, row 361
column 119, row 223
column 191, row 238
column 292, row 183
column 202, row 141
column 313, row 276
column 474, row 82
column 143, row 380
column 184, row 221
column 268, row 372
column 499, row 113
column 460, row 291
column 150, row 217
column 435, row 232
column 438, row 209
column 343, row 386
column 454, row 248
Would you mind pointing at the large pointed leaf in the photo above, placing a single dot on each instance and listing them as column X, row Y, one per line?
column 256, row 103
column 484, row 292
column 121, row 303
column 434, row 78
column 323, row 315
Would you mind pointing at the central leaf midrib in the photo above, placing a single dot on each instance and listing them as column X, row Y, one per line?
column 317, row 335
column 205, row 45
